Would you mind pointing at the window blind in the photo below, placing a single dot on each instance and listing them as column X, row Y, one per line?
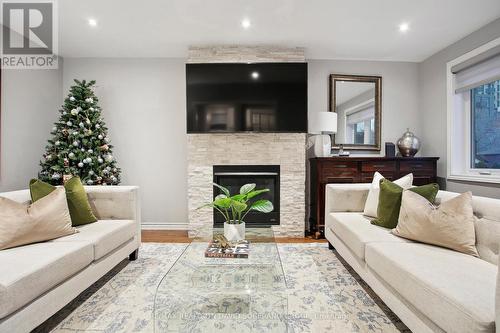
column 482, row 69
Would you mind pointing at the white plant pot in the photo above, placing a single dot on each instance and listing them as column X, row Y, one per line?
column 234, row 232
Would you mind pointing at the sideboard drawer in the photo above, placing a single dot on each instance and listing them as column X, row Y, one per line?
column 412, row 166
column 372, row 166
column 367, row 177
column 344, row 165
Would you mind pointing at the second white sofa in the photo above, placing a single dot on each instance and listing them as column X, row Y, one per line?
column 37, row 280
column 431, row 289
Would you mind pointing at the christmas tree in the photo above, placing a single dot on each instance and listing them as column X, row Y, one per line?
column 80, row 143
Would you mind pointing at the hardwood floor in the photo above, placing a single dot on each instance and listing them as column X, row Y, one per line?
column 181, row 236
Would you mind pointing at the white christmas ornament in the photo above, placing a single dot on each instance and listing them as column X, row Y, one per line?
column 74, row 112
column 88, row 121
column 71, row 155
column 72, row 99
column 99, row 137
column 75, row 143
column 81, row 125
column 109, row 158
column 91, row 172
column 80, row 165
column 100, row 160
column 69, row 123
column 57, row 143
column 91, row 109
column 90, row 151
column 89, row 160
column 82, row 150
column 56, row 176
column 97, row 126
column 89, row 100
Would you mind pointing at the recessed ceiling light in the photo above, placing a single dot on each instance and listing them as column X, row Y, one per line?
column 246, row 23
column 404, row 27
column 255, row 75
column 92, row 22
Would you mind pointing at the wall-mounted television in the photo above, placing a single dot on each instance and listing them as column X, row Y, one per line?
column 256, row 97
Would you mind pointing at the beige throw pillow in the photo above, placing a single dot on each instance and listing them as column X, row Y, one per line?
column 450, row 225
column 46, row 219
column 371, row 204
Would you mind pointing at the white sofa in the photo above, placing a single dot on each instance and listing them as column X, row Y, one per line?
column 430, row 288
column 37, row 280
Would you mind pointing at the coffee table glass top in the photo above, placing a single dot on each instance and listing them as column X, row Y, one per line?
column 201, row 294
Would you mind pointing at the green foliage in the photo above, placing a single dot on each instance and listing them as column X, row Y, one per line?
column 80, row 144
column 235, row 208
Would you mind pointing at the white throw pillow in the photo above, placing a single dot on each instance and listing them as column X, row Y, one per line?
column 371, row 203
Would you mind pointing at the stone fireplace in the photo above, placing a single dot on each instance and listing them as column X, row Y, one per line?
column 286, row 150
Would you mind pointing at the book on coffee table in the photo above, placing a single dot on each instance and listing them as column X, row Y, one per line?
column 239, row 250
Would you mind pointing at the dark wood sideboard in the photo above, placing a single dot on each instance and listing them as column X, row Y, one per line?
column 327, row 170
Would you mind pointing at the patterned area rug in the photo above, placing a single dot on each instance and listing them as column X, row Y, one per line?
column 324, row 295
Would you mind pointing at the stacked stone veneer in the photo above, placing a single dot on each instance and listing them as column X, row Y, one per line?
column 284, row 149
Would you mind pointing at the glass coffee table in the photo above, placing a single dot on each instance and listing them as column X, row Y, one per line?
column 201, row 294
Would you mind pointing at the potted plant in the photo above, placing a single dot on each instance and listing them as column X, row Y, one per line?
column 235, row 208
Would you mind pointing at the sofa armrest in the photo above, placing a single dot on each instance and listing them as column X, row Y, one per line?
column 116, row 203
column 345, row 197
column 497, row 300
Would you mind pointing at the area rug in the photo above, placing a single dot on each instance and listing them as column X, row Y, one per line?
column 324, row 295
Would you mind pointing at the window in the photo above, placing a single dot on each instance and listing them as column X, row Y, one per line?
column 485, row 116
column 473, row 104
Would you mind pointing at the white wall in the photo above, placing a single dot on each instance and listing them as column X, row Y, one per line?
column 432, row 96
column 399, row 92
column 144, row 107
column 30, row 100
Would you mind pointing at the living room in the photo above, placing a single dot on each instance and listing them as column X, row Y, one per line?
column 284, row 166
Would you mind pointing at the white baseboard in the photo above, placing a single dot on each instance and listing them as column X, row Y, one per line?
column 164, row 226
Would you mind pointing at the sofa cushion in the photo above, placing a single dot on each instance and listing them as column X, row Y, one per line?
column 454, row 290
column 29, row 271
column 105, row 235
column 356, row 231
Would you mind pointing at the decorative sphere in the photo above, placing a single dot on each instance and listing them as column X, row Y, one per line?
column 75, row 143
column 91, row 109
column 97, row 126
column 90, row 151
column 100, row 160
column 85, row 161
column 408, row 144
column 114, row 179
column 72, row 98
column 71, row 155
column 108, row 168
column 91, row 172
column 69, row 123
column 74, row 112
column 57, row 143
column 99, row 137
column 89, row 160
column 82, row 150
column 115, row 170
column 80, row 165
column 81, row 125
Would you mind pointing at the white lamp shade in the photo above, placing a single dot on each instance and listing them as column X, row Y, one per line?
column 323, row 123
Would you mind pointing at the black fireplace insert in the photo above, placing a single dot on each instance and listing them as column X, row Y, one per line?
column 264, row 176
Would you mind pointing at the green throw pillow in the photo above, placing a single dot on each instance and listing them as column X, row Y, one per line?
column 78, row 203
column 389, row 201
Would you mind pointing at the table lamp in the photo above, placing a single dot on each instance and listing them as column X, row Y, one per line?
column 323, row 124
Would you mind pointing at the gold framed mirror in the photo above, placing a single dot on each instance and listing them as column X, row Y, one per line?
column 357, row 100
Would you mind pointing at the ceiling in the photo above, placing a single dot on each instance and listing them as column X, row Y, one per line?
column 328, row 29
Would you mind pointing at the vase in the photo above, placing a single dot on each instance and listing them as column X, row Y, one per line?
column 234, row 232
column 408, row 144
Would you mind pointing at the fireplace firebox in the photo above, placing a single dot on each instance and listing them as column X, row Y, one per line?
column 264, row 176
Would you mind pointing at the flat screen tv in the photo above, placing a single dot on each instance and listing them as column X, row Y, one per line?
column 262, row 97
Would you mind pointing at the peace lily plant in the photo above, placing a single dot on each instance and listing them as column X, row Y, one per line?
column 234, row 208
